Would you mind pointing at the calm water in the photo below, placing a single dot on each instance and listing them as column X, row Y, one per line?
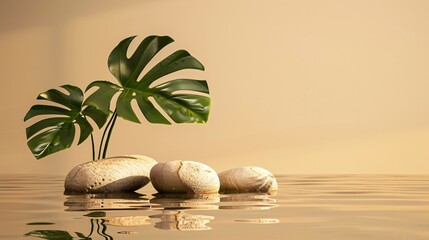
column 306, row 207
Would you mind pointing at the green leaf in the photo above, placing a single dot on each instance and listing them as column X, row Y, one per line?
column 182, row 107
column 127, row 70
column 45, row 123
column 56, row 133
column 99, row 118
column 38, row 110
column 182, row 84
column 102, row 97
column 73, row 101
column 178, row 60
column 52, row 140
column 185, row 108
column 85, row 128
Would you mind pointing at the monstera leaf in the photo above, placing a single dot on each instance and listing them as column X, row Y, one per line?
column 57, row 133
column 172, row 96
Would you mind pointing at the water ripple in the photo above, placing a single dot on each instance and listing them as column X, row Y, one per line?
column 322, row 207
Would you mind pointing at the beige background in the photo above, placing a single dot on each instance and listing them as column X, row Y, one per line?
column 297, row 86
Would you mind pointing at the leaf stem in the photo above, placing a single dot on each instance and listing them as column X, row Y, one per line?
column 93, row 147
column 106, row 144
column 104, row 134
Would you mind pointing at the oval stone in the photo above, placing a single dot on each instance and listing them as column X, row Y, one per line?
column 184, row 177
column 247, row 179
column 116, row 174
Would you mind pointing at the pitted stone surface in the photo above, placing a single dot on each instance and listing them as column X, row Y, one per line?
column 116, row 174
column 184, row 177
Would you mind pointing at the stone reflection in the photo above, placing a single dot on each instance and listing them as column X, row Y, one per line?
column 175, row 210
column 182, row 221
column 185, row 201
column 248, row 201
column 136, row 201
column 129, row 221
column 258, row 220
column 173, row 206
column 106, row 201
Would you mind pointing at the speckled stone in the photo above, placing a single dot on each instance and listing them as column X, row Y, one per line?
column 247, row 179
column 184, row 177
column 115, row 174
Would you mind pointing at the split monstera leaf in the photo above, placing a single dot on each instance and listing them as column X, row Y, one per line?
column 182, row 100
column 57, row 133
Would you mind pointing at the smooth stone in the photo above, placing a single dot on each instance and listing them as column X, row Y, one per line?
column 184, row 177
column 116, row 174
column 247, row 179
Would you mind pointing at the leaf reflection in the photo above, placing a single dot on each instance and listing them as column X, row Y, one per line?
column 50, row 234
column 97, row 226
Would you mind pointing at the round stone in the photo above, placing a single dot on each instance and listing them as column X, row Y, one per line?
column 116, row 174
column 247, row 179
column 184, row 177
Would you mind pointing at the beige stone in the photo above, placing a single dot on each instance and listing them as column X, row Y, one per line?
column 184, row 177
column 116, row 174
column 247, row 179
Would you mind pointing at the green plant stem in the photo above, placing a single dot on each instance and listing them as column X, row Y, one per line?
column 93, row 147
column 104, row 134
column 106, row 144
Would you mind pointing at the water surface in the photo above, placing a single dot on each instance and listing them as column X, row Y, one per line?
column 305, row 207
